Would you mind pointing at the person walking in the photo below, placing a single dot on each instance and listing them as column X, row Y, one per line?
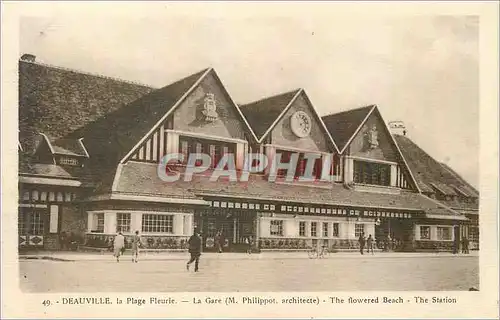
column 194, row 243
column 136, row 243
column 218, row 242
column 248, row 243
column 369, row 244
column 119, row 246
column 361, row 242
column 465, row 245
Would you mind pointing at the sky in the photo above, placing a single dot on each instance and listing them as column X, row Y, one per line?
column 420, row 69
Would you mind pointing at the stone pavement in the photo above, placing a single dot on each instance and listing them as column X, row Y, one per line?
column 275, row 255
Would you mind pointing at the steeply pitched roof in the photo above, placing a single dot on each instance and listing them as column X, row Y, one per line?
column 140, row 178
column 57, row 101
column 429, row 173
column 110, row 138
column 263, row 113
column 343, row 125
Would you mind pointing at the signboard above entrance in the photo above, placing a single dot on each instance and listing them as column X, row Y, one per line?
column 308, row 210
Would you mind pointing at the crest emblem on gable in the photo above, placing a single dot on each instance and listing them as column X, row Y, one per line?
column 210, row 107
column 372, row 137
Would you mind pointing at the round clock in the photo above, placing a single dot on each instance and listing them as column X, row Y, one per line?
column 300, row 122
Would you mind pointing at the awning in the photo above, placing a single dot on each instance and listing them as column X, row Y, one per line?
column 446, row 217
column 50, row 181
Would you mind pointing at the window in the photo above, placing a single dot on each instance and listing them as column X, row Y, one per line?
column 277, row 227
column 371, row 173
column 314, row 229
column 68, row 161
column 123, row 222
column 325, row 229
column 302, row 228
column 21, row 223
column 444, row 233
column 215, row 149
column 359, row 229
column 335, row 229
column 36, row 223
column 474, row 233
column 425, row 232
column 100, row 222
column 157, row 223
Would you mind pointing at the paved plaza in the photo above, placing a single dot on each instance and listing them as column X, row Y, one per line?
column 247, row 273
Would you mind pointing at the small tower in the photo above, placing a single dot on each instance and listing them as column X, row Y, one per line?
column 398, row 127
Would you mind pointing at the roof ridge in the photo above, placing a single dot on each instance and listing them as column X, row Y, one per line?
column 88, row 73
column 295, row 91
column 349, row 110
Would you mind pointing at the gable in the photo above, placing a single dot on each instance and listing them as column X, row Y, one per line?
column 343, row 125
column 262, row 114
column 283, row 135
column 382, row 147
column 223, row 121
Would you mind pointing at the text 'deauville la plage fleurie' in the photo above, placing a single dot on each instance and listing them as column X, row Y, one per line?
column 253, row 300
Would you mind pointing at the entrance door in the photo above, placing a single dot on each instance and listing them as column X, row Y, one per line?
column 394, row 234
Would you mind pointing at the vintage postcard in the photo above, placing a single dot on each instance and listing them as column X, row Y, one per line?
column 249, row 160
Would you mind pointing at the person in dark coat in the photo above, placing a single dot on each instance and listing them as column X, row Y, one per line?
column 465, row 245
column 369, row 244
column 361, row 242
column 194, row 243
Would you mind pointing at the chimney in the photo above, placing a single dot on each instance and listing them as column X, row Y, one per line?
column 28, row 57
column 398, row 127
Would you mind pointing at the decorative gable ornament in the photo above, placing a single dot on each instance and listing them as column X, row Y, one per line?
column 373, row 137
column 210, row 108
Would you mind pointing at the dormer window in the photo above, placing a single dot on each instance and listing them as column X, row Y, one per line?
column 68, row 161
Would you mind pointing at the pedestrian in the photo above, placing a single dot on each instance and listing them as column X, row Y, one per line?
column 218, row 242
column 361, row 242
column 63, row 240
column 465, row 246
column 369, row 243
column 118, row 246
column 248, row 243
column 136, row 243
column 194, row 243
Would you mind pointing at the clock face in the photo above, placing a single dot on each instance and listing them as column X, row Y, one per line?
column 300, row 123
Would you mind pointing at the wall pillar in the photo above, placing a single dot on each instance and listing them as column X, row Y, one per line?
column 188, row 224
column 241, row 152
column 265, row 226
column 178, row 224
column 290, row 226
column 172, row 142
column 394, row 175
column 270, row 154
column 90, row 221
column 110, row 222
column 349, row 170
column 54, row 219
column 135, row 222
